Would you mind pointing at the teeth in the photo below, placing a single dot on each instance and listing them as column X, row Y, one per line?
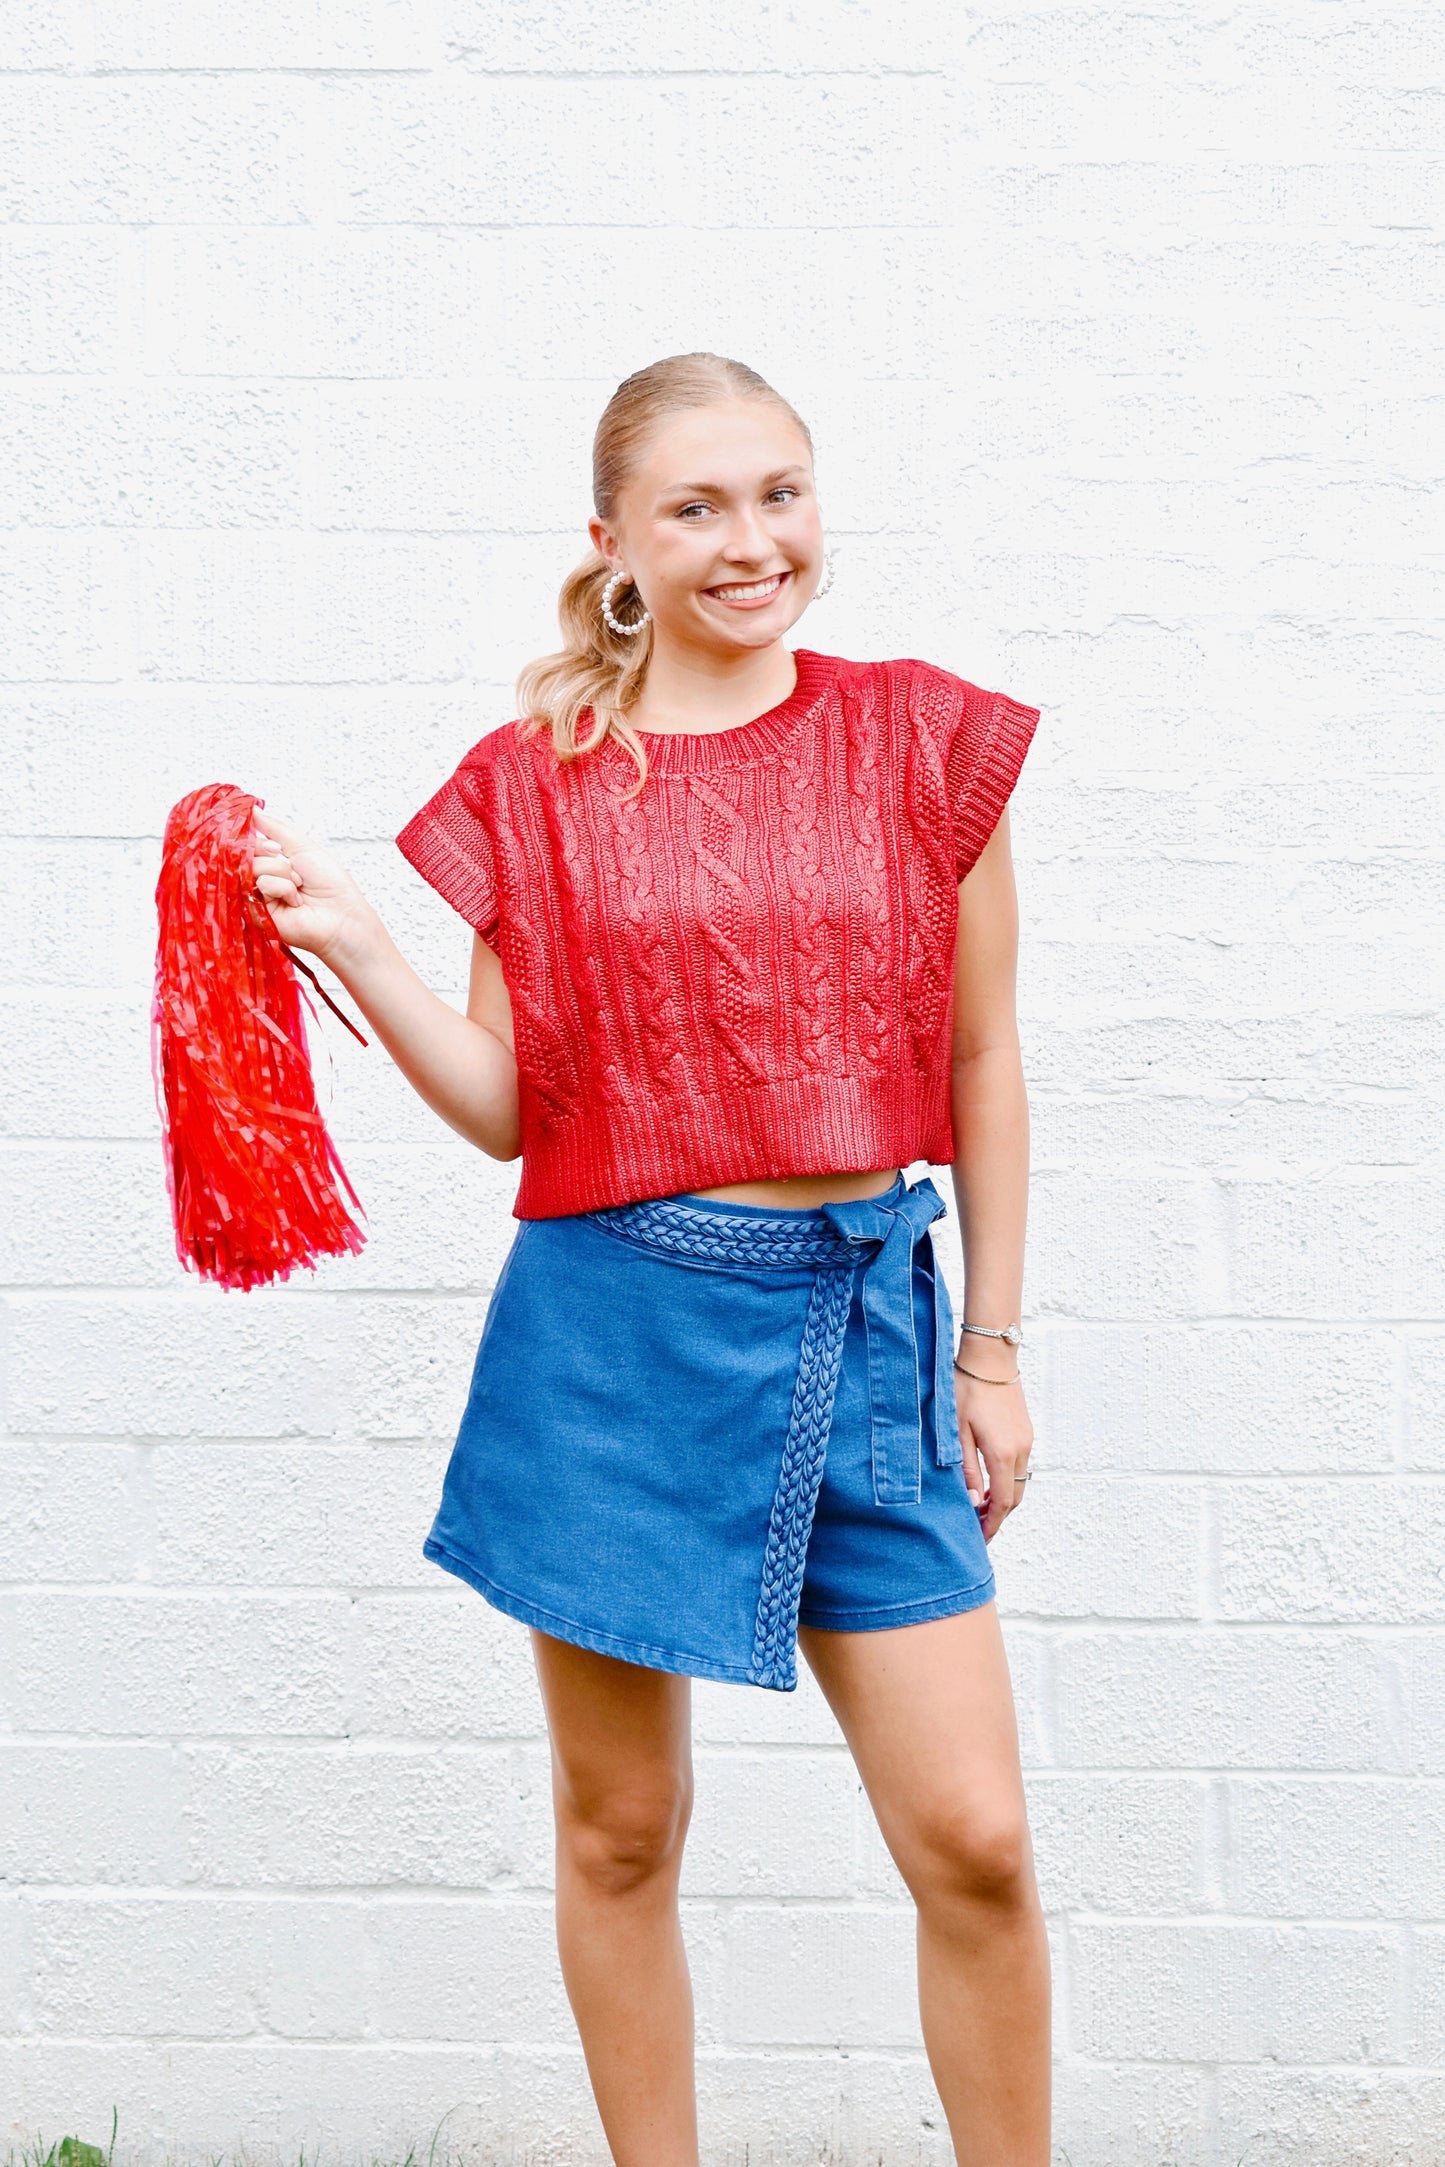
column 747, row 594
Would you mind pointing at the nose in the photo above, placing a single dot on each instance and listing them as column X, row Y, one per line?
column 748, row 541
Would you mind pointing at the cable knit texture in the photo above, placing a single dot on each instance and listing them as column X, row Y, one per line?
column 746, row 971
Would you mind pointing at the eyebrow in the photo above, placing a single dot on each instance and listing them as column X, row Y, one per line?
column 719, row 489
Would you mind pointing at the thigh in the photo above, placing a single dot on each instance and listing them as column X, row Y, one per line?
column 928, row 1712
column 615, row 1728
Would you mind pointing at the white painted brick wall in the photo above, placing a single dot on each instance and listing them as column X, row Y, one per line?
column 1120, row 333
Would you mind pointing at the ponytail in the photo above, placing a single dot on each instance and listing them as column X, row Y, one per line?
column 597, row 669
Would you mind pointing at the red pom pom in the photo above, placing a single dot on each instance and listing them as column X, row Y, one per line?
column 252, row 1174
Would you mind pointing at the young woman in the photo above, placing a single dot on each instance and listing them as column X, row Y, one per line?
column 744, row 950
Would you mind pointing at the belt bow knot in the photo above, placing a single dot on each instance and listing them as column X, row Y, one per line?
column 894, row 1228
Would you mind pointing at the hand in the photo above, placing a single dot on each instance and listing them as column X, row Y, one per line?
column 312, row 898
column 994, row 1426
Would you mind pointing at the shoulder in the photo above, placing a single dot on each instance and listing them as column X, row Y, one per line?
column 499, row 747
column 922, row 685
column 937, row 703
column 933, row 693
column 954, row 710
column 927, row 702
column 499, row 758
column 898, row 676
column 471, row 805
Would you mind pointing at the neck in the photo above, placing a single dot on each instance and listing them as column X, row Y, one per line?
column 689, row 689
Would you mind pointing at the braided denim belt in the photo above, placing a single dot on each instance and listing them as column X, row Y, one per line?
column 880, row 1233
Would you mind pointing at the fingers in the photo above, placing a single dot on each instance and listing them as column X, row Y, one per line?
column 272, row 871
column 273, row 875
column 973, row 1473
column 275, row 888
column 1005, row 1493
column 274, row 842
column 994, row 1511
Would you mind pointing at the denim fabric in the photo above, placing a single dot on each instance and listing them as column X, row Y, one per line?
column 693, row 1423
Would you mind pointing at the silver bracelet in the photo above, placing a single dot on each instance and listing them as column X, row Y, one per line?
column 1013, row 1333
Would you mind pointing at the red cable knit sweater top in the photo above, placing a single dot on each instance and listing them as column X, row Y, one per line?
column 746, row 971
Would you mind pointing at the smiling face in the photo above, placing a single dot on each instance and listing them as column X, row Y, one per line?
column 718, row 527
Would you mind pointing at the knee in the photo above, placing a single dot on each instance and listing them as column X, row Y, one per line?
column 971, row 1856
column 618, row 1841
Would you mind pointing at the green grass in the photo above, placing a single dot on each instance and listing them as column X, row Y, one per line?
column 69, row 2152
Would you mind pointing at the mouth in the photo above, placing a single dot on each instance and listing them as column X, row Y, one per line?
column 749, row 594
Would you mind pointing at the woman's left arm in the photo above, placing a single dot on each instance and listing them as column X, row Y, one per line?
column 990, row 1173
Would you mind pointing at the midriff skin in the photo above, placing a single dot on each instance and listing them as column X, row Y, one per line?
column 804, row 1192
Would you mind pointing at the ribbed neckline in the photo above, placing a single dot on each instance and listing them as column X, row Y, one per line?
column 705, row 752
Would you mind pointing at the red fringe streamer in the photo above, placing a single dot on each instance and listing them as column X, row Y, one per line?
column 252, row 1173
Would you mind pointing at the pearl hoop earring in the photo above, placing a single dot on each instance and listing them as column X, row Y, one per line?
column 827, row 580
column 627, row 631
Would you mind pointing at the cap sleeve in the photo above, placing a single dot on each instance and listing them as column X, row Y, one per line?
column 450, row 843
column 982, row 765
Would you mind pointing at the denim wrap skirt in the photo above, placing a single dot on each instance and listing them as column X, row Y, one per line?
column 693, row 1423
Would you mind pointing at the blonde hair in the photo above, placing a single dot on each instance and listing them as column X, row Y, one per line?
column 597, row 668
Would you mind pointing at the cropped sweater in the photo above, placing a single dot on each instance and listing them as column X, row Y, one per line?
column 745, row 971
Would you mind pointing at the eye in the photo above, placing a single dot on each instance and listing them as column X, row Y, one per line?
column 784, row 490
column 698, row 507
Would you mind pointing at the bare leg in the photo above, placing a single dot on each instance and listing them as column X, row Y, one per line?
column 928, row 1712
column 622, row 1790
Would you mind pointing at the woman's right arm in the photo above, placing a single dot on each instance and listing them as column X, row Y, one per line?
column 464, row 1066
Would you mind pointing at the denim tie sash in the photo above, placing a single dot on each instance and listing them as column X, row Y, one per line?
column 880, row 1233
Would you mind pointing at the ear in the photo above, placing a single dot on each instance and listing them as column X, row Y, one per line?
column 604, row 541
